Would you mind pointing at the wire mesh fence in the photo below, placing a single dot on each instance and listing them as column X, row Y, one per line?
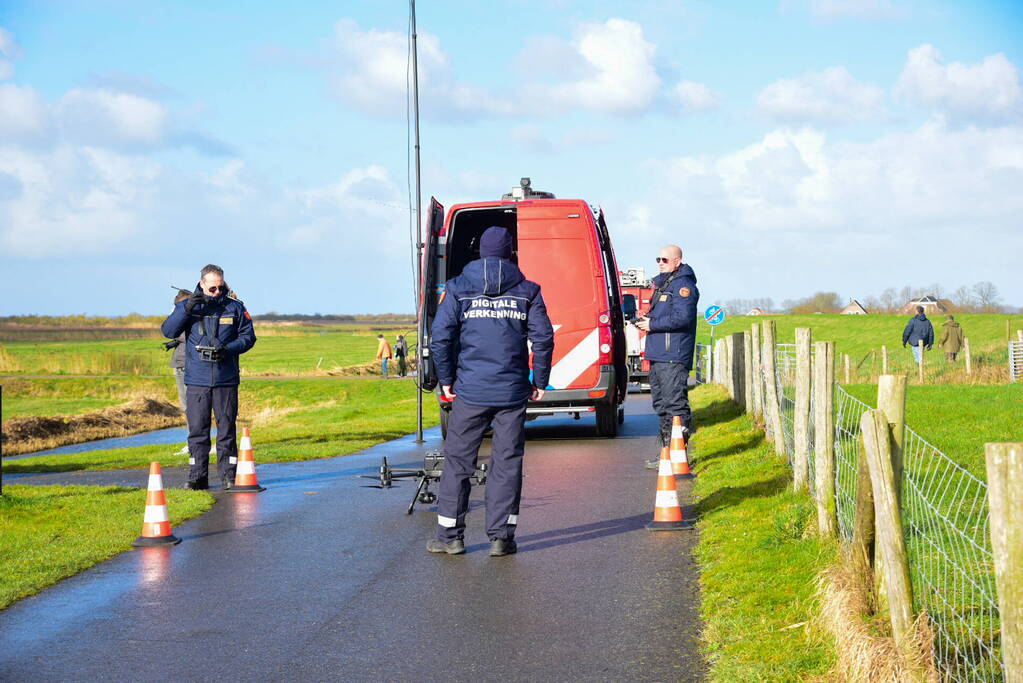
column 1016, row 361
column 945, row 517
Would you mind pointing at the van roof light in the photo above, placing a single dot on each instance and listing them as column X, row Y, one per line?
column 525, row 191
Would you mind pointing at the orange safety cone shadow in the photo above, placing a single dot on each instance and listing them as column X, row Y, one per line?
column 679, row 454
column 667, row 512
column 156, row 528
column 245, row 480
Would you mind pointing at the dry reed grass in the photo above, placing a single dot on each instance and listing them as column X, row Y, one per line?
column 143, row 414
column 866, row 650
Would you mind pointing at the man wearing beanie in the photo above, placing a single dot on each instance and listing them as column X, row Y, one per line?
column 480, row 340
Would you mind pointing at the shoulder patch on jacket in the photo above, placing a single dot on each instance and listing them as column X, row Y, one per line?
column 684, row 291
column 247, row 315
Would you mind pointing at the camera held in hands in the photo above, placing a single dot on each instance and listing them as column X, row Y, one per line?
column 210, row 354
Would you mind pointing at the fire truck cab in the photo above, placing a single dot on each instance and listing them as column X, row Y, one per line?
column 637, row 291
column 564, row 246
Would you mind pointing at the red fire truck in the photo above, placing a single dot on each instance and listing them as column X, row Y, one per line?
column 562, row 244
column 636, row 292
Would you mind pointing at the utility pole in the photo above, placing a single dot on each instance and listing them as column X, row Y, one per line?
column 420, row 298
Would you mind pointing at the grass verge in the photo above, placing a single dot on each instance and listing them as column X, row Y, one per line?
column 759, row 564
column 290, row 420
column 51, row 532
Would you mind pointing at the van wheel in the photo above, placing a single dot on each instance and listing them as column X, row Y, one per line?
column 444, row 415
column 607, row 421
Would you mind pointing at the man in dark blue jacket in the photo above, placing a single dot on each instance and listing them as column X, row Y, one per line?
column 486, row 320
column 217, row 330
column 918, row 329
column 670, row 324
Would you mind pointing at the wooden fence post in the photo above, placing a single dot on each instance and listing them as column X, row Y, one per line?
column 801, row 413
column 747, row 375
column 772, row 403
column 845, row 362
column 920, row 365
column 884, row 359
column 891, row 541
column 864, row 535
column 1005, row 504
column 966, row 351
column 726, row 366
column 824, row 436
column 891, row 400
column 738, row 352
column 758, row 376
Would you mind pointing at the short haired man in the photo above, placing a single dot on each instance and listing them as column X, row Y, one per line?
column 918, row 329
column 670, row 324
column 480, row 340
column 217, row 330
column 401, row 352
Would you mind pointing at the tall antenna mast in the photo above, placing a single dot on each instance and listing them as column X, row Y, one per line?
column 420, row 300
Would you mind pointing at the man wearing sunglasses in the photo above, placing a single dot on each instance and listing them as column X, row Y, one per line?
column 670, row 324
column 217, row 330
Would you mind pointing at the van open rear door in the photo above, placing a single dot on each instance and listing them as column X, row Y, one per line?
column 428, row 289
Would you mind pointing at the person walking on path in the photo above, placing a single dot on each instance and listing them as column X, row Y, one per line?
column 400, row 352
column 383, row 354
column 951, row 338
column 918, row 329
column 217, row 331
column 487, row 319
column 670, row 324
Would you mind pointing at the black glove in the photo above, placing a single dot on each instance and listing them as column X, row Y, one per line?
column 219, row 352
column 172, row 344
column 196, row 298
column 903, row 344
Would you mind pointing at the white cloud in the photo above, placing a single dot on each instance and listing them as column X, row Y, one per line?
column 532, row 138
column 110, row 118
column 623, row 78
column 694, row 97
column 989, row 91
column 23, row 114
column 829, row 96
column 609, row 67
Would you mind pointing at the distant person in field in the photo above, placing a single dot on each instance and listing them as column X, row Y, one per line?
column 401, row 352
column 918, row 329
column 177, row 362
column 951, row 338
column 217, row 330
column 383, row 354
column 670, row 324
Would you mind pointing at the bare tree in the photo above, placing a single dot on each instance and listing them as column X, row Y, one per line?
column 936, row 290
column 963, row 299
column 987, row 296
column 888, row 300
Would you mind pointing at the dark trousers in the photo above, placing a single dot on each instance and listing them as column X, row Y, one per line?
column 950, row 355
column 401, row 365
column 466, row 426
column 200, row 402
column 669, row 391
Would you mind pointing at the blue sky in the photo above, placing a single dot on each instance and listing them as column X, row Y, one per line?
column 789, row 147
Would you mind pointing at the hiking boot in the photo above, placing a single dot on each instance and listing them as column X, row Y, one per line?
column 226, row 483
column 198, row 485
column 503, row 546
column 455, row 547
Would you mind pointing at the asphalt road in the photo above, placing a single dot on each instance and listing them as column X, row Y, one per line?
column 319, row 578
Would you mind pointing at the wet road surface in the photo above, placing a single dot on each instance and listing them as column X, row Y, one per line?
column 319, row 578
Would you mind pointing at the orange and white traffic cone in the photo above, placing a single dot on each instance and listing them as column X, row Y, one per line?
column 667, row 512
column 679, row 455
column 156, row 528
column 245, row 480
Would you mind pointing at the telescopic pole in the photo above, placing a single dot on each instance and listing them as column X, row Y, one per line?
column 420, row 300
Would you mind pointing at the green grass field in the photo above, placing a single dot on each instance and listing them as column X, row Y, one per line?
column 861, row 336
column 290, row 420
column 51, row 532
column 758, row 563
column 279, row 350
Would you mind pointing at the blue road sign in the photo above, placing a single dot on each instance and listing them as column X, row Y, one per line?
column 714, row 315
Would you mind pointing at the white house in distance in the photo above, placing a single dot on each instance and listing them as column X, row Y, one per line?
column 854, row 308
column 931, row 305
column 756, row 311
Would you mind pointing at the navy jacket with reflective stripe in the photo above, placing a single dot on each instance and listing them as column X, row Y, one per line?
column 672, row 336
column 228, row 322
column 480, row 338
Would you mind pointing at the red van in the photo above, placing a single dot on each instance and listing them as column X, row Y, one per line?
column 564, row 246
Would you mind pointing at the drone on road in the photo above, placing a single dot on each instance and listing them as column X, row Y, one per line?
column 430, row 472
